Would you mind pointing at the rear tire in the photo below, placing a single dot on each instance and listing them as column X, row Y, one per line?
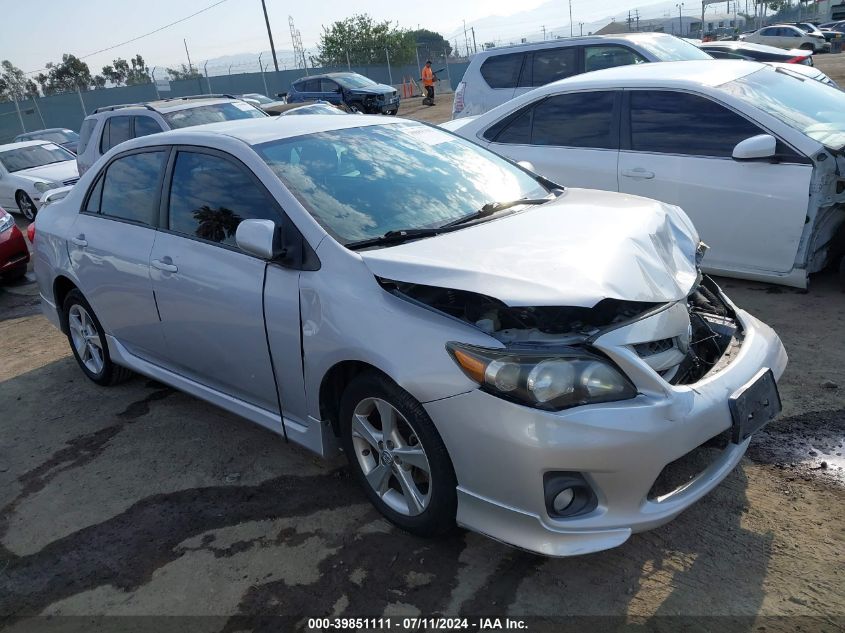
column 88, row 342
column 404, row 470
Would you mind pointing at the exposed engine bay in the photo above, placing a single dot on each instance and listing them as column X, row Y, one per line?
column 710, row 342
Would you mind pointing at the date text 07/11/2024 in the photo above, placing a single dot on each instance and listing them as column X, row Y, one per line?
column 416, row 624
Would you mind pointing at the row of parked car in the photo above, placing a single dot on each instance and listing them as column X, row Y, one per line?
column 417, row 297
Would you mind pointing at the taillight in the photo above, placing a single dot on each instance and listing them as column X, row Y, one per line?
column 458, row 104
column 798, row 59
column 30, row 233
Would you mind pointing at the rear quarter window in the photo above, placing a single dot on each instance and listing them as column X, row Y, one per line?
column 85, row 133
column 502, row 71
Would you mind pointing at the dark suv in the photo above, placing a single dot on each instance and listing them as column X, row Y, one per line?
column 356, row 92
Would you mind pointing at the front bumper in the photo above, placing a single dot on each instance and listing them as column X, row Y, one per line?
column 14, row 253
column 501, row 450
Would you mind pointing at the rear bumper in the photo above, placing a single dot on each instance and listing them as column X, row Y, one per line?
column 501, row 451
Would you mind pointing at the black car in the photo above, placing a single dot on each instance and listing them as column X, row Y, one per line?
column 356, row 92
column 58, row 135
column 756, row 52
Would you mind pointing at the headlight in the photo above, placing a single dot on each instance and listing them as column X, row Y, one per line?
column 6, row 221
column 544, row 380
column 44, row 186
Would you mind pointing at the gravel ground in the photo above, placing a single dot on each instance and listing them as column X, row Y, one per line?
column 140, row 500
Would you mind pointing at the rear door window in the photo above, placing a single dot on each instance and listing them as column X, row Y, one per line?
column 130, row 189
column 669, row 122
column 551, row 64
column 502, row 71
column 145, row 125
column 599, row 57
column 579, row 119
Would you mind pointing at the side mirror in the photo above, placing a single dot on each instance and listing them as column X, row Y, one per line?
column 261, row 238
column 527, row 165
column 760, row 147
column 281, row 95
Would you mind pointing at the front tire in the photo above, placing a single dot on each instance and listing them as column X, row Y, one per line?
column 88, row 342
column 397, row 456
column 26, row 205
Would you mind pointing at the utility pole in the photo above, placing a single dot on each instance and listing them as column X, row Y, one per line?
column 190, row 67
column 581, row 27
column 466, row 39
column 629, row 21
column 570, row 18
column 637, row 19
column 474, row 45
column 680, row 24
column 270, row 35
column 544, row 32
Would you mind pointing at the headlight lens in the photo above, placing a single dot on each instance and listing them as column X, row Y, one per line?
column 545, row 380
column 6, row 221
column 44, row 186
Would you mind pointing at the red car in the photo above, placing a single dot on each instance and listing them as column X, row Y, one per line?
column 14, row 254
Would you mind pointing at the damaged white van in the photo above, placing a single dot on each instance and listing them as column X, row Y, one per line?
column 546, row 366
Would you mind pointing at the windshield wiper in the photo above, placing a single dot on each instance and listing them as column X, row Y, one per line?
column 494, row 207
column 397, row 237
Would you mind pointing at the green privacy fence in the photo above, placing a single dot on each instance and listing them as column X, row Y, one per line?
column 67, row 110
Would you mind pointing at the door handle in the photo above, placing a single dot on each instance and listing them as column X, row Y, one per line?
column 166, row 264
column 80, row 240
column 639, row 172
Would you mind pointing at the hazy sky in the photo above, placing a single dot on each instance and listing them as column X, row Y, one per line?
column 38, row 31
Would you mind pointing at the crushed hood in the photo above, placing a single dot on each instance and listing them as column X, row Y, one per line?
column 372, row 90
column 575, row 251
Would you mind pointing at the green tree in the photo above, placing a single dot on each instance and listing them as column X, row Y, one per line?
column 130, row 73
column 14, row 83
column 431, row 43
column 70, row 74
column 177, row 74
column 364, row 41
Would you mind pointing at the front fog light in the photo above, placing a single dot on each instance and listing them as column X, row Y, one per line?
column 551, row 379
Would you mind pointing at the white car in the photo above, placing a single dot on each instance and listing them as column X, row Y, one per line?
column 499, row 74
column 31, row 168
column 752, row 153
column 787, row 36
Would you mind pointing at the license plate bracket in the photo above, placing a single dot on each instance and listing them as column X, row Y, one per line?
column 754, row 405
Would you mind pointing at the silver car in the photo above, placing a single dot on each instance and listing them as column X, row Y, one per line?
column 487, row 348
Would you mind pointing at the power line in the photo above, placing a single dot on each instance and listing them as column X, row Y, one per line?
column 135, row 39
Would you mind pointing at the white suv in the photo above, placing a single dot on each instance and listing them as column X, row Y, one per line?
column 111, row 125
column 498, row 75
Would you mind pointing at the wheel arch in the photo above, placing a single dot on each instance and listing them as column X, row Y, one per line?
column 334, row 383
column 61, row 287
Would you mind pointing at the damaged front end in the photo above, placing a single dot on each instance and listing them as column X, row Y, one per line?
column 703, row 342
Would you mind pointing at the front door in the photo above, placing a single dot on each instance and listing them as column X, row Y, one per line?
column 570, row 138
column 110, row 246
column 679, row 149
column 209, row 293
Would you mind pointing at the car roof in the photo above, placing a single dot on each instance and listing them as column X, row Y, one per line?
column 257, row 131
column 684, row 73
column 20, row 144
column 337, row 74
column 751, row 46
column 164, row 106
column 573, row 41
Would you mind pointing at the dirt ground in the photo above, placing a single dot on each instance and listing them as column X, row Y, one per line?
column 141, row 500
column 832, row 65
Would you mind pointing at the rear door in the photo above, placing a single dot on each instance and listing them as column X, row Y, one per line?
column 210, row 293
column 501, row 74
column 110, row 246
column 571, row 138
column 677, row 147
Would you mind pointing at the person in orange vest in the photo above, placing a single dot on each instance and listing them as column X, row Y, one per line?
column 428, row 78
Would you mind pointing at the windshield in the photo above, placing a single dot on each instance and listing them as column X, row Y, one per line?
column 259, row 98
column 812, row 107
column 34, row 156
column 214, row 113
column 360, row 183
column 667, row 48
column 57, row 136
column 355, row 81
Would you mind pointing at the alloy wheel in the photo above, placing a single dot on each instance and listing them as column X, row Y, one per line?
column 86, row 339
column 391, row 456
column 26, row 206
